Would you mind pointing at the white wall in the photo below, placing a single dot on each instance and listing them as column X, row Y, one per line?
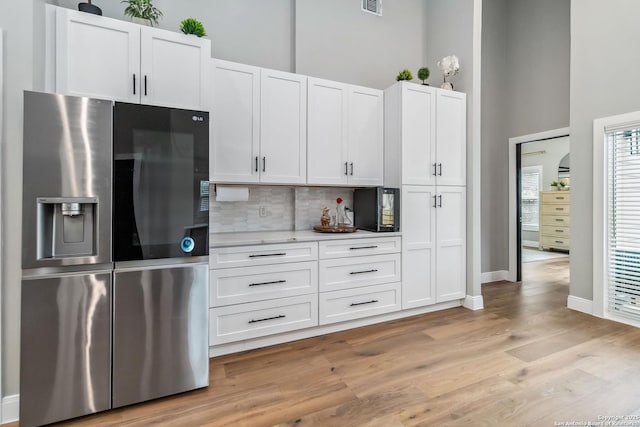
column 604, row 55
column 335, row 40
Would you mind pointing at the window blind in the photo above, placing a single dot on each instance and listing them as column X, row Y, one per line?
column 623, row 222
column 530, row 179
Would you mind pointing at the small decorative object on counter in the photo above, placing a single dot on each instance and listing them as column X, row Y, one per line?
column 404, row 75
column 557, row 185
column 449, row 66
column 89, row 8
column 325, row 219
column 423, row 74
column 341, row 216
column 192, row 26
column 141, row 11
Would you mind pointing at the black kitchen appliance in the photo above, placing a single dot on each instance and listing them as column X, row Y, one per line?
column 377, row 209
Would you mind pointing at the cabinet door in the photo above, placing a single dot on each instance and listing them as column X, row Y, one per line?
column 452, row 138
column 283, row 127
column 418, row 246
column 451, row 243
column 418, row 134
column 173, row 68
column 366, row 134
column 327, row 133
column 235, row 122
column 97, row 57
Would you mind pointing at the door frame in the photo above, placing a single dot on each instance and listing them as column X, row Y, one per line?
column 1, row 210
column 514, row 253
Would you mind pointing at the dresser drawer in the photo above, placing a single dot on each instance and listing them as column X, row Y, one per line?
column 554, row 242
column 555, row 209
column 339, row 306
column 257, row 319
column 245, row 256
column 556, row 220
column 561, row 197
column 345, row 273
column 549, row 230
column 359, row 247
column 249, row 284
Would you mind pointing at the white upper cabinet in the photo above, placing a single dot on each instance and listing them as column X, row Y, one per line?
column 235, row 122
column 283, row 127
column 258, row 125
column 112, row 59
column 366, row 136
column 97, row 56
column 451, row 137
column 327, row 154
column 425, row 136
column 345, row 134
column 174, row 69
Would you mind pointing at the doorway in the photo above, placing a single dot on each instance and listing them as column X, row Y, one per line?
column 538, row 217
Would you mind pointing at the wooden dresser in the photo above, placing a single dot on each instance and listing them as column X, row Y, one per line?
column 554, row 220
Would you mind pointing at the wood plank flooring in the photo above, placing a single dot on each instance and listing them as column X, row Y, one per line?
column 523, row 360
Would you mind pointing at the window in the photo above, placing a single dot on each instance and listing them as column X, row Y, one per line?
column 531, row 183
column 623, row 222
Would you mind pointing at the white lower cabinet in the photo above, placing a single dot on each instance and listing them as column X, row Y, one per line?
column 345, row 273
column 349, row 304
column 257, row 319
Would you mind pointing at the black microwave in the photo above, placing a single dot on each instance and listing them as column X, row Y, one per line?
column 377, row 209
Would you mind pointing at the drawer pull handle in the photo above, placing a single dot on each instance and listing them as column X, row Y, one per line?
column 363, row 247
column 559, row 241
column 267, row 318
column 559, row 231
column 267, row 283
column 263, row 255
column 559, row 209
column 559, row 198
column 363, row 303
column 366, row 271
column 559, row 220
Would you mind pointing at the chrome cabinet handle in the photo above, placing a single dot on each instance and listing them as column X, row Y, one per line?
column 365, row 271
column 363, row 303
column 267, row 283
column 263, row 255
column 267, row 318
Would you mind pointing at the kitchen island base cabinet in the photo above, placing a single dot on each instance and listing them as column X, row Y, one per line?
column 252, row 320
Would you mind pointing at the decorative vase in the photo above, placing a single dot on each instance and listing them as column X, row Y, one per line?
column 89, row 8
column 141, row 21
column 341, row 215
column 446, row 85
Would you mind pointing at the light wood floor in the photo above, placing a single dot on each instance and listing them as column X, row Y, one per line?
column 523, row 360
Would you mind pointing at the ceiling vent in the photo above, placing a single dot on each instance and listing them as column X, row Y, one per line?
column 372, row 6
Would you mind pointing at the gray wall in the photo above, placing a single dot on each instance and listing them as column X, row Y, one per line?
column 494, row 136
column 335, row 40
column 604, row 55
column 525, row 88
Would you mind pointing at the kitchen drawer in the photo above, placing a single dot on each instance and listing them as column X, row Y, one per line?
column 359, row 247
column 550, row 230
column 257, row 319
column 556, row 220
column 245, row 256
column 554, row 242
column 339, row 306
column 345, row 273
column 555, row 209
column 561, row 197
column 248, row 284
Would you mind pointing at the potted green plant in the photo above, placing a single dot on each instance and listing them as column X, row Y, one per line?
column 192, row 26
column 557, row 185
column 142, row 12
column 404, row 75
column 423, row 74
column 89, row 8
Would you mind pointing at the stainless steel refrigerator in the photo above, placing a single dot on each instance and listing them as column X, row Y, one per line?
column 114, row 255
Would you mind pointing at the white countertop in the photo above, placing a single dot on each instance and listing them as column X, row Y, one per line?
column 217, row 240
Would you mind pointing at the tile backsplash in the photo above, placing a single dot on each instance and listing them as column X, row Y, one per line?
column 286, row 208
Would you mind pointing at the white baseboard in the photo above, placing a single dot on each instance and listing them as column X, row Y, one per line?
column 10, row 408
column 473, row 302
column 494, row 276
column 531, row 244
column 580, row 304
